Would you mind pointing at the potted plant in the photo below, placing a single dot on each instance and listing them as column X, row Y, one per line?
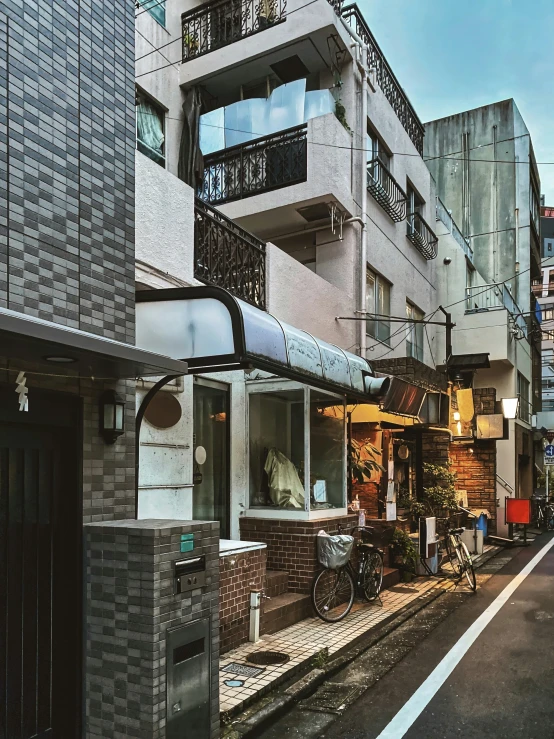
column 363, row 461
column 190, row 43
column 439, row 493
column 403, row 502
column 404, row 554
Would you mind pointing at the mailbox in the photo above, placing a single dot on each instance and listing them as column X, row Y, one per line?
column 189, row 574
column 188, row 663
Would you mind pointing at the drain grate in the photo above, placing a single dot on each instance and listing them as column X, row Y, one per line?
column 268, row 658
column 245, row 670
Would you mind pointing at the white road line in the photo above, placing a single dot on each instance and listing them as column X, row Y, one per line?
column 419, row 701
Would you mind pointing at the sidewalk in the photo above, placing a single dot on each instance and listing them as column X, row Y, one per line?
column 241, row 682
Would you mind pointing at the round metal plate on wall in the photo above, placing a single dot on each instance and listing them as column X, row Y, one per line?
column 164, row 411
column 200, row 455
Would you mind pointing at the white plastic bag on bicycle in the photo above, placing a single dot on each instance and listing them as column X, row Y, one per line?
column 334, row 551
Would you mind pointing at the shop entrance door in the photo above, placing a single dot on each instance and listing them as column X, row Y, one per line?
column 40, row 577
column 211, row 496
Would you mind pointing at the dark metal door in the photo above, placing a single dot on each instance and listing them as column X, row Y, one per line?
column 40, row 591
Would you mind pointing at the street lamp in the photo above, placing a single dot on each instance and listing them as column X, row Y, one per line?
column 112, row 416
column 510, row 407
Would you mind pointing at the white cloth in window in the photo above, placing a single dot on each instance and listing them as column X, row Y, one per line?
column 285, row 488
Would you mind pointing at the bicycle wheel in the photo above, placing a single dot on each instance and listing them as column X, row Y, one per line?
column 452, row 554
column 372, row 575
column 550, row 518
column 466, row 565
column 333, row 594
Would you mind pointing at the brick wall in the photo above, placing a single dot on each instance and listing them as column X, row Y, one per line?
column 413, row 371
column 476, row 472
column 130, row 606
column 291, row 545
column 239, row 575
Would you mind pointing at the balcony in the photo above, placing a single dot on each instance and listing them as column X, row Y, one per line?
column 385, row 77
column 216, row 24
column 421, row 236
column 386, row 190
column 227, row 256
column 265, row 164
column 495, row 297
column 445, row 216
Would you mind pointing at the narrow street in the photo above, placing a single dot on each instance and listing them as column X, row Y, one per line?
column 497, row 686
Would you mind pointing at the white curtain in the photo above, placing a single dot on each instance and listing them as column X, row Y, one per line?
column 150, row 127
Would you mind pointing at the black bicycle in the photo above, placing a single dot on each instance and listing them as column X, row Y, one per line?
column 334, row 590
column 545, row 514
column 457, row 554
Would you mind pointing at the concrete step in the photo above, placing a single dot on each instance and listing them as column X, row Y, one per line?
column 276, row 582
column 284, row 610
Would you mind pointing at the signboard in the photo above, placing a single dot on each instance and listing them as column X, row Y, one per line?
column 549, row 460
column 518, row 510
column 549, row 454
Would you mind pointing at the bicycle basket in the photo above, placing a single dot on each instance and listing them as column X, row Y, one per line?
column 334, row 551
column 379, row 539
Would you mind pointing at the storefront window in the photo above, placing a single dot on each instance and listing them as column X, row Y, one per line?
column 289, row 423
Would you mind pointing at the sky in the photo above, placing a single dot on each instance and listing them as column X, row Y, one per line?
column 451, row 56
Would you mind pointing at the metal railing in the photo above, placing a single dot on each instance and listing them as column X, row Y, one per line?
column 525, row 409
column 420, row 234
column 227, row 256
column 264, row 164
column 444, row 215
column 494, row 297
column 385, row 77
column 216, row 24
column 386, row 190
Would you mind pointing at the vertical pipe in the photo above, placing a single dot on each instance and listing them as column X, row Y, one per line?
column 363, row 255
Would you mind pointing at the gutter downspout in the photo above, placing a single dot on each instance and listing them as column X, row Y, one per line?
column 362, row 66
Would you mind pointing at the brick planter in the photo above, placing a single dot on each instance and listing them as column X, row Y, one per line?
column 239, row 574
column 291, row 545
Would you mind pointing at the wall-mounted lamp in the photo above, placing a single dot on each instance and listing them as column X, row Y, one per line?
column 456, row 415
column 510, row 407
column 112, row 416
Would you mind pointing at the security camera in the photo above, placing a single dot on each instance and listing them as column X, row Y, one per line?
column 447, row 260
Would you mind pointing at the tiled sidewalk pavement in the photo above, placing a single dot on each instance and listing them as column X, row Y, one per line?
column 305, row 639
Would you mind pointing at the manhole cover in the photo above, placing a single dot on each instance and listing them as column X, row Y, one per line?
column 268, row 658
column 237, row 669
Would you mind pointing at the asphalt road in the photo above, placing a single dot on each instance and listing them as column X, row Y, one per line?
column 503, row 687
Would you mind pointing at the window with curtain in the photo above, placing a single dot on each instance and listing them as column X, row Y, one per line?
column 156, row 8
column 414, row 333
column 415, row 205
column 150, row 129
column 378, row 302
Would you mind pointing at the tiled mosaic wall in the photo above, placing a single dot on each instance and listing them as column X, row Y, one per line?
column 131, row 605
column 291, row 545
column 239, row 575
column 67, row 162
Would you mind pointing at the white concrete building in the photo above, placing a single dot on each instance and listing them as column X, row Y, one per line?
column 310, row 144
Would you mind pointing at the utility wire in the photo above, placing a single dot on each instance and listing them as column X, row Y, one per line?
column 144, row 3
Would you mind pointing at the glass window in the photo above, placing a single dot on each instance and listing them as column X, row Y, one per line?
column 327, row 452
column 156, row 8
column 284, row 425
column 414, row 333
column 376, row 149
column 277, row 449
column 150, row 129
column 378, row 303
column 523, row 393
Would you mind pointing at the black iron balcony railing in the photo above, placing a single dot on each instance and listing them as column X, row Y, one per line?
column 264, row 164
column 421, row 236
column 386, row 78
column 386, row 190
column 222, row 22
column 227, row 256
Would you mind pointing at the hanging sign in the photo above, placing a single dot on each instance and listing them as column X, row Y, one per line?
column 22, row 390
column 518, row 510
column 549, row 454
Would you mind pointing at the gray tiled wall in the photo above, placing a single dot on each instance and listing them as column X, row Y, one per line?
column 130, row 606
column 67, row 141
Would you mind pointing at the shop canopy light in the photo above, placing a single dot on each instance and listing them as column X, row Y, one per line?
column 510, row 407
column 112, row 416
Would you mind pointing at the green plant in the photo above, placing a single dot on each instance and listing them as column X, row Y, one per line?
column 439, row 491
column 404, row 547
column 417, row 508
column 320, row 659
column 363, row 461
column 403, row 500
column 340, row 112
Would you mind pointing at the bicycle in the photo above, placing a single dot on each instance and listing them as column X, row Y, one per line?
column 333, row 590
column 545, row 514
column 457, row 553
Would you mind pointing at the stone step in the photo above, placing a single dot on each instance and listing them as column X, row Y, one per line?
column 284, row 610
column 276, row 582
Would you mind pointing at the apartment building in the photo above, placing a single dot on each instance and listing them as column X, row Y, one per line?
column 284, row 168
column 483, row 163
column 543, row 288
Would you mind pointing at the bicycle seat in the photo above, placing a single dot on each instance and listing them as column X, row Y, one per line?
column 365, row 545
column 456, row 531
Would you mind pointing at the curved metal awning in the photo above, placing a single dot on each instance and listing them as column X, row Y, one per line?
column 213, row 331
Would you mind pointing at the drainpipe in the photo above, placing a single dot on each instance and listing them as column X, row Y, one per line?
column 312, row 229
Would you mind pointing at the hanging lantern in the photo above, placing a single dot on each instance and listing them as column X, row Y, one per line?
column 112, row 416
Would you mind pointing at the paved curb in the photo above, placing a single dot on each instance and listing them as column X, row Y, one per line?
column 255, row 719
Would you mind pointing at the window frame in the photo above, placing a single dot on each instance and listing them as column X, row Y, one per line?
column 157, row 5
column 378, row 328
column 141, row 96
column 415, row 348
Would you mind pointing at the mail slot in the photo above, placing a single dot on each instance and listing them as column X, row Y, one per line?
column 189, row 574
column 188, row 652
